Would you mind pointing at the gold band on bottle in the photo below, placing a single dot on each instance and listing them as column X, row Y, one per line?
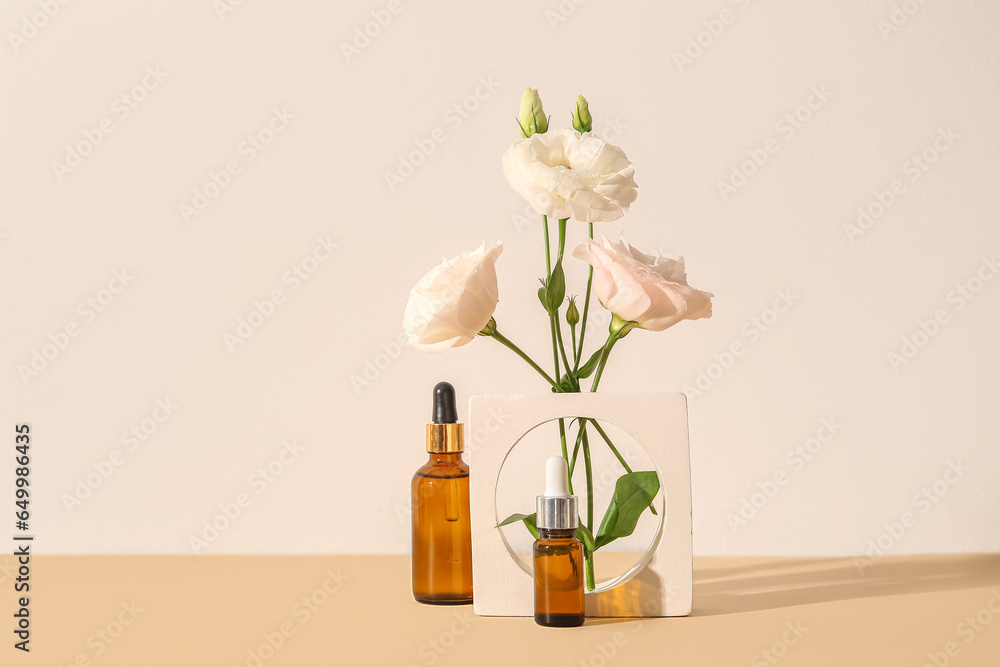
column 445, row 438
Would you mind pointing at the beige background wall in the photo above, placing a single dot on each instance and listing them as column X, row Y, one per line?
column 307, row 215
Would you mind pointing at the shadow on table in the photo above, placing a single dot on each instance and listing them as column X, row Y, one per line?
column 789, row 582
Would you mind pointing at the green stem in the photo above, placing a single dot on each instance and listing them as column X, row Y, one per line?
column 562, row 348
column 499, row 337
column 576, row 353
column 548, row 278
column 555, row 343
column 562, row 438
column 586, row 307
column 559, row 349
column 590, row 502
column 548, row 261
column 553, row 324
column 590, row 479
column 557, row 339
column 612, row 339
column 557, row 324
column 576, row 449
column 614, row 449
column 618, row 456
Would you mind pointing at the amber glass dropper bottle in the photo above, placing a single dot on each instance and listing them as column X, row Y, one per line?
column 558, row 554
column 439, row 503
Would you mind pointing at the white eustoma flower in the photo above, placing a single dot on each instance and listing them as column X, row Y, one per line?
column 454, row 301
column 564, row 174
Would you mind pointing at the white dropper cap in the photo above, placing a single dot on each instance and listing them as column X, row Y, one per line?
column 556, row 478
column 557, row 509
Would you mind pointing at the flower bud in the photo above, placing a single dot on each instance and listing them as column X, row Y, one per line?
column 532, row 119
column 572, row 314
column 582, row 120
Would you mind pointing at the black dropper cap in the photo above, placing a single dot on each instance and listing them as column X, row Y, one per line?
column 445, row 411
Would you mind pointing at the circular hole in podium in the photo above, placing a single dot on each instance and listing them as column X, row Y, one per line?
column 522, row 478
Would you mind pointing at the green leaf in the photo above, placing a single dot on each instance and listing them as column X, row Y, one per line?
column 541, row 297
column 586, row 537
column 528, row 519
column 588, row 368
column 555, row 290
column 634, row 492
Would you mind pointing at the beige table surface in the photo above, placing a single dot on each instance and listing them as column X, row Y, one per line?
column 145, row 611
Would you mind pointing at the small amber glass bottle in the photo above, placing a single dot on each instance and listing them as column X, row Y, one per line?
column 558, row 554
column 439, row 502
